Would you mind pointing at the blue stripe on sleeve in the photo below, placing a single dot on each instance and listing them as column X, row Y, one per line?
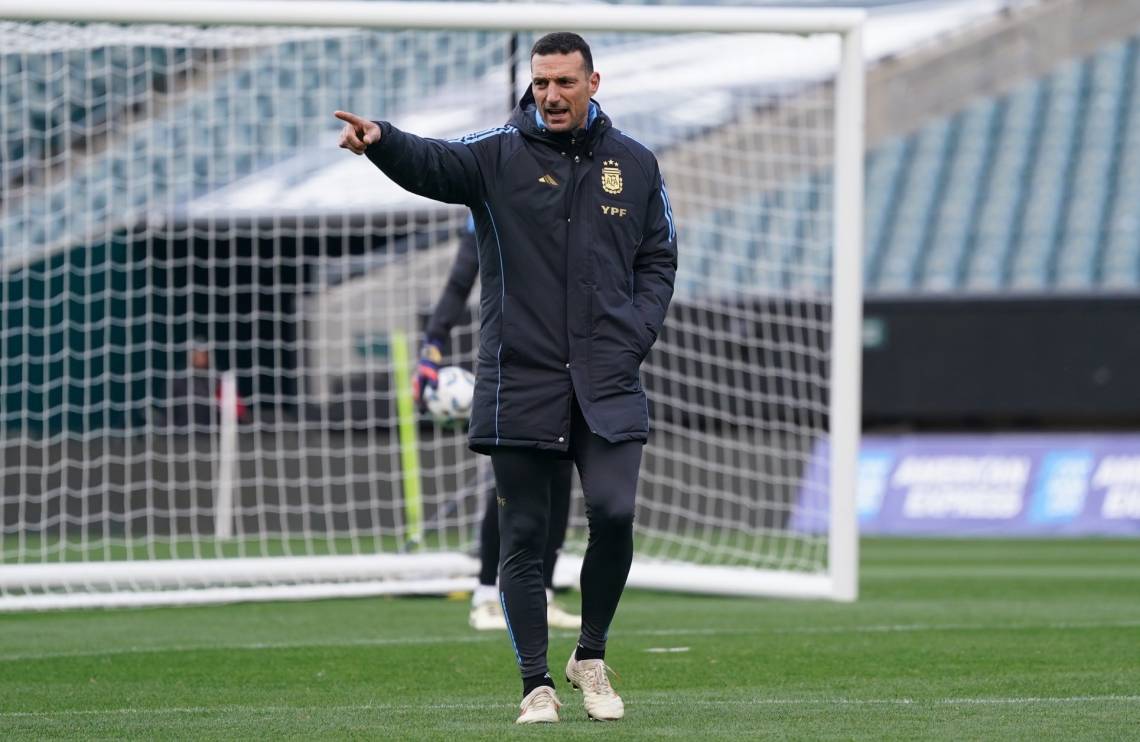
column 479, row 136
column 668, row 211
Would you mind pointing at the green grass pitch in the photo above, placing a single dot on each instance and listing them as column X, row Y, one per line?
column 970, row 639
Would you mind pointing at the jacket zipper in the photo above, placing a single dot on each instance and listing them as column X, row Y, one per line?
column 589, row 299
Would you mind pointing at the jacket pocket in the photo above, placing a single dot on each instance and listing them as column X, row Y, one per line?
column 508, row 332
column 645, row 337
column 617, row 348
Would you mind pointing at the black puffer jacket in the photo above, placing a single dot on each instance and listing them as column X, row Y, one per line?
column 577, row 257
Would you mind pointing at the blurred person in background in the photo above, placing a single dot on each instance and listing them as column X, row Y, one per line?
column 486, row 611
column 195, row 394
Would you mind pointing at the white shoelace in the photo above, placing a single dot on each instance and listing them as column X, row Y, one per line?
column 601, row 681
column 544, row 700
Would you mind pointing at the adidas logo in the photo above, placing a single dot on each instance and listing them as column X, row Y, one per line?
column 548, row 179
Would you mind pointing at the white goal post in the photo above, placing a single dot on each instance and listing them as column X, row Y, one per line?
column 169, row 184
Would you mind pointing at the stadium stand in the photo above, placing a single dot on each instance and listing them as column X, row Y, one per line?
column 175, row 98
column 1008, row 194
column 1034, row 189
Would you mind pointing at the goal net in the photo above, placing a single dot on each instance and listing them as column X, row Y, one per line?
column 209, row 314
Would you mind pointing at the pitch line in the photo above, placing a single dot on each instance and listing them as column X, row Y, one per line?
column 498, row 638
column 492, row 702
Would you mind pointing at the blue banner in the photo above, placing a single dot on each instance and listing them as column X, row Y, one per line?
column 965, row 485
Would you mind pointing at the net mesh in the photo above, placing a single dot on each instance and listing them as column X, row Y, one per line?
column 173, row 194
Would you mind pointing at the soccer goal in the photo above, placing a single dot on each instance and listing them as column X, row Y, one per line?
column 209, row 313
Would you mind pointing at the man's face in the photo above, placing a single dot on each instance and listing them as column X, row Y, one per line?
column 562, row 89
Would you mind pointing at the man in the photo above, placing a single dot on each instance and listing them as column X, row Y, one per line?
column 195, row 396
column 486, row 611
column 578, row 255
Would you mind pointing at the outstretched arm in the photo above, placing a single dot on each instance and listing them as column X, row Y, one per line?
column 443, row 171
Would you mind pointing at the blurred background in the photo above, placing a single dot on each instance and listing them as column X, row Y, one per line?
column 170, row 191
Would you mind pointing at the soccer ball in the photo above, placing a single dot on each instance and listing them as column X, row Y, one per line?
column 450, row 401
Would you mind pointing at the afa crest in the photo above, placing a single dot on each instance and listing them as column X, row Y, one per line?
column 611, row 177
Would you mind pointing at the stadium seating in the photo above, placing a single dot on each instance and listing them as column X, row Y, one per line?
column 177, row 99
column 1033, row 191
column 1036, row 190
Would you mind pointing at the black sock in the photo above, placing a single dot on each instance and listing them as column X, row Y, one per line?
column 535, row 681
column 581, row 653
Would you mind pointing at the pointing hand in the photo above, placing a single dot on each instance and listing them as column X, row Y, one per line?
column 358, row 132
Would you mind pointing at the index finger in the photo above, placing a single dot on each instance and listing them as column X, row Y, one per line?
column 351, row 118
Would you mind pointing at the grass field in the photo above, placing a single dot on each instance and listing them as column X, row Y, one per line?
column 950, row 640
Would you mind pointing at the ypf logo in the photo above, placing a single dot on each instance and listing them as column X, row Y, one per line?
column 611, row 177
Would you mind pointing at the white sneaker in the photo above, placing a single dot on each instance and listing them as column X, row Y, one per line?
column 589, row 676
column 539, row 707
column 559, row 618
column 487, row 616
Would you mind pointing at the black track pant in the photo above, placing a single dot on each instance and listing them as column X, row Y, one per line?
column 524, row 478
column 556, row 536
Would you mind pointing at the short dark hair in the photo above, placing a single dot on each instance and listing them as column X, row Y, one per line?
column 564, row 42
